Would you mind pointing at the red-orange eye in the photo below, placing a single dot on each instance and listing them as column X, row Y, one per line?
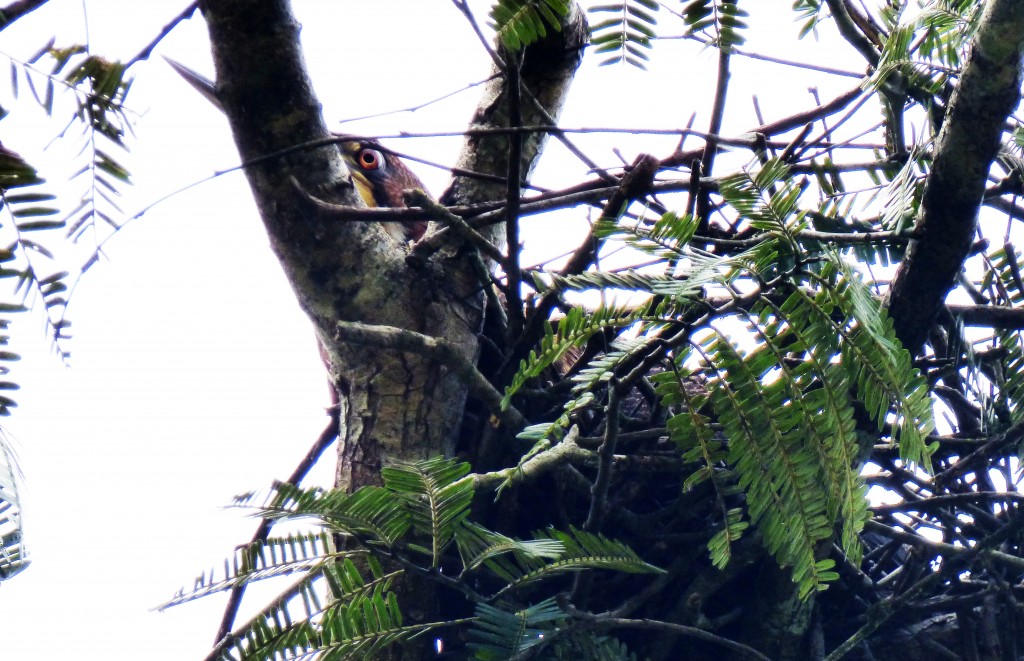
column 370, row 159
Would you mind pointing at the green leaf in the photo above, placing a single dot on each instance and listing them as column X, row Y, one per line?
column 436, row 501
column 519, row 23
column 626, row 36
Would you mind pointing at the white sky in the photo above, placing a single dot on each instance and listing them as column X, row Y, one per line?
column 194, row 375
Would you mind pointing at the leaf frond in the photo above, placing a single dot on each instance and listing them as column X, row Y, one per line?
column 436, row 501
column 623, row 31
column 501, row 634
column 519, row 23
column 13, row 554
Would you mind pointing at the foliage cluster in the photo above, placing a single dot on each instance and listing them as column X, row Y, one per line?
column 36, row 224
column 344, row 604
column 715, row 422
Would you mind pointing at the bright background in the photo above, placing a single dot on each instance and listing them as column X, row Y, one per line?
column 194, row 375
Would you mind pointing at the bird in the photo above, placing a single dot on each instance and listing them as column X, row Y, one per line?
column 378, row 173
column 380, row 178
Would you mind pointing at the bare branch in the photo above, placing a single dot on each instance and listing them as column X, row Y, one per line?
column 147, row 50
column 328, row 436
column 989, row 316
column 12, row 12
column 542, row 462
column 987, row 93
column 599, row 490
column 604, row 622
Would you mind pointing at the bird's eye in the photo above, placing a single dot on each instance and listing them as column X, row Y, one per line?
column 370, row 159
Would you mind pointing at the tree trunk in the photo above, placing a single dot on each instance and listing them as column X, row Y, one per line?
column 988, row 91
column 394, row 404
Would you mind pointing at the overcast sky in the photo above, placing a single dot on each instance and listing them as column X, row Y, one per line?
column 194, row 375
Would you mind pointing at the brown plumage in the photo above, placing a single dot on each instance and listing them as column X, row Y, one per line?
column 381, row 177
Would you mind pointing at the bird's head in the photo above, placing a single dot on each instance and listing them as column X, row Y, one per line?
column 380, row 177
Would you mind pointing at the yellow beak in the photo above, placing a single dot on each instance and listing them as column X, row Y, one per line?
column 363, row 186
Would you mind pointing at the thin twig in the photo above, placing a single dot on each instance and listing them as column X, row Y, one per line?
column 563, row 137
column 513, row 273
column 780, row 126
column 707, row 161
column 164, row 31
column 602, row 622
column 606, row 453
column 464, row 9
column 422, row 105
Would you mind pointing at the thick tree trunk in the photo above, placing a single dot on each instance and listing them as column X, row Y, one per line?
column 394, row 404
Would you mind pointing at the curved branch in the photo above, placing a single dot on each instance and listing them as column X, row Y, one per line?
column 987, row 93
column 604, row 622
column 851, row 31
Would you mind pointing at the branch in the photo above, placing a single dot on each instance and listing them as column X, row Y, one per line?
column 634, row 185
column 850, row 31
column 16, row 10
column 880, row 613
column 439, row 350
column 986, row 94
column 325, row 439
column 537, row 465
column 164, row 31
column 513, row 191
column 685, row 158
column 606, row 454
column 602, row 622
column 419, row 199
column 707, row 161
column 981, row 456
column 934, row 502
column 989, row 316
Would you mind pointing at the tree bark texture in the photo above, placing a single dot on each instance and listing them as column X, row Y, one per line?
column 546, row 69
column 988, row 91
column 393, row 404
